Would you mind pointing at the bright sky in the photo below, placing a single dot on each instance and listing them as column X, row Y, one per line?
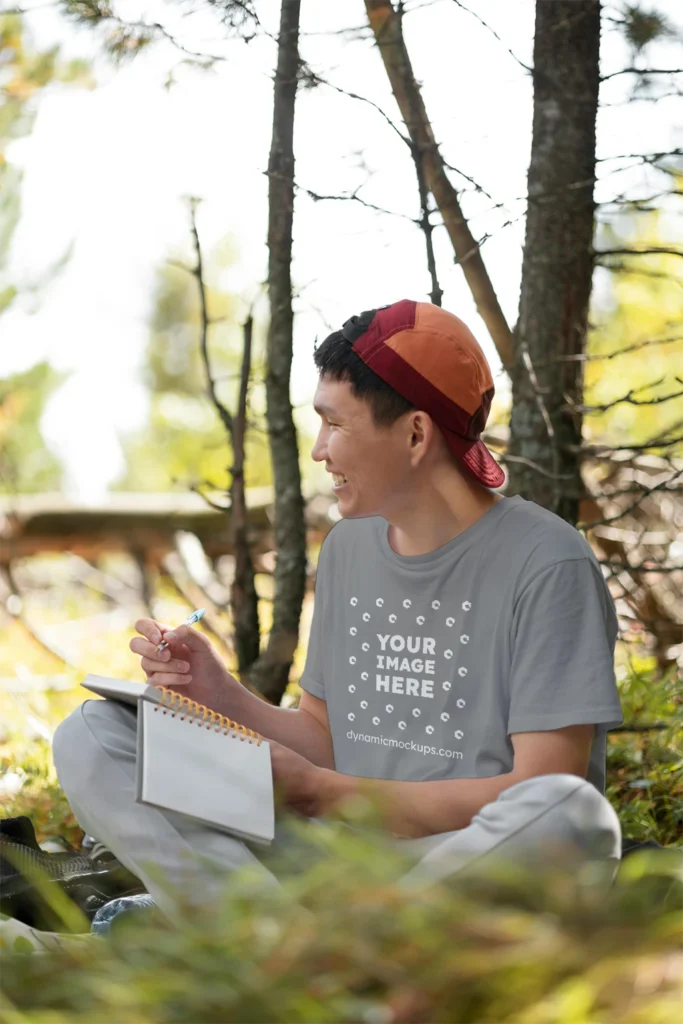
column 105, row 171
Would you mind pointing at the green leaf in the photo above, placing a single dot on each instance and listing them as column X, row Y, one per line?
column 22, row 945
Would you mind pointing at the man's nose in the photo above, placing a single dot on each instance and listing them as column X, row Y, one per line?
column 318, row 450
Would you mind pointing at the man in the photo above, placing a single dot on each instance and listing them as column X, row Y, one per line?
column 460, row 664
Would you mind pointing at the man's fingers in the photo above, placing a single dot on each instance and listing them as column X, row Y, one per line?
column 188, row 636
column 150, row 665
column 151, row 629
column 170, row 679
column 147, row 649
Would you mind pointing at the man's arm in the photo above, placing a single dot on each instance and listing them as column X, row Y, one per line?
column 304, row 729
column 417, row 809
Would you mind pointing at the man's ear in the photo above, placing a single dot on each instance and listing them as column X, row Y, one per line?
column 421, row 431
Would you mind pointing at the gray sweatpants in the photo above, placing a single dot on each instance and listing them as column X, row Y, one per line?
column 94, row 750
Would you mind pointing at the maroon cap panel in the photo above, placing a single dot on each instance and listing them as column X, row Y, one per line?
column 394, row 371
column 385, row 323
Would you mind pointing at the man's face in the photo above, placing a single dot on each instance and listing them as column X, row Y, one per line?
column 375, row 461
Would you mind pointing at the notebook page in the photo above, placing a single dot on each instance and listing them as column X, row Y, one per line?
column 220, row 780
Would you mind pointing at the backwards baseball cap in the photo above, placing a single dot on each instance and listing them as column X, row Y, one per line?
column 433, row 360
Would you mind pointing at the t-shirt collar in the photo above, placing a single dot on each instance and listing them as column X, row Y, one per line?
column 433, row 559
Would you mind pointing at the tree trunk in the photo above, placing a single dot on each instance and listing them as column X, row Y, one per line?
column 243, row 596
column 557, row 269
column 270, row 673
column 388, row 32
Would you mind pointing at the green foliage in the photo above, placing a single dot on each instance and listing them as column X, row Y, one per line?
column 26, row 465
column 24, row 74
column 341, row 941
column 42, row 798
column 645, row 769
column 184, row 443
column 644, row 306
column 643, row 27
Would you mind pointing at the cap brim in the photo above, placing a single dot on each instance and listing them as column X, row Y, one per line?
column 476, row 458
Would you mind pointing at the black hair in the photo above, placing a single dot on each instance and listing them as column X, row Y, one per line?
column 337, row 361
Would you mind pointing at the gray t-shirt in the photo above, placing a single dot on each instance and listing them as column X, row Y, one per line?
column 429, row 663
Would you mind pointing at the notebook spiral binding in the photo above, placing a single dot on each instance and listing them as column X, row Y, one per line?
column 203, row 716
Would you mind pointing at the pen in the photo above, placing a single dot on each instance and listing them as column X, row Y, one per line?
column 189, row 621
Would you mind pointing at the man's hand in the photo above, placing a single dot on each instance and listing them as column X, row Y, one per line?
column 190, row 664
column 300, row 783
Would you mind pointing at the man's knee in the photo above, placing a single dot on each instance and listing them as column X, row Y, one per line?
column 68, row 740
column 576, row 812
column 89, row 737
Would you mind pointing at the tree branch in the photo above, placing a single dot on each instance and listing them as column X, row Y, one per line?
column 641, row 727
column 641, row 71
column 585, row 357
column 505, row 458
column 315, row 79
column 628, row 399
column 597, row 449
column 661, row 486
column 654, row 250
column 648, row 158
column 493, row 32
column 386, row 26
column 198, row 274
column 427, row 226
column 354, row 197
column 624, row 567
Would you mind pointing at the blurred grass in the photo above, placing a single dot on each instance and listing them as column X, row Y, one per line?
column 343, row 942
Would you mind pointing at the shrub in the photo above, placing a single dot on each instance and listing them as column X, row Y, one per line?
column 342, row 942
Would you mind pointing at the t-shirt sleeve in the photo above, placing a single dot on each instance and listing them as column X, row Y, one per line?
column 563, row 634
column 312, row 679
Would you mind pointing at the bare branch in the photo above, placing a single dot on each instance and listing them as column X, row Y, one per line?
column 212, row 504
column 354, row 197
column 240, row 422
column 623, row 567
column 648, row 158
column 316, row 79
column 659, row 275
column 585, row 357
column 477, row 187
column 608, row 450
column 630, row 400
column 641, row 203
column 642, row 71
column 537, row 390
column 647, row 98
column 535, row 466
column 661, row 486
column 386, row 26
column 654, row 250
column 198, row 274
column 427, row 227
column 641, row 727
column 639, row 489
column 493, row 32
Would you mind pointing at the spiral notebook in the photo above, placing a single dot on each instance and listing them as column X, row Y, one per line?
column 193, row 761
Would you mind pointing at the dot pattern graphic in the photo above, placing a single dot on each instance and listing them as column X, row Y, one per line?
column 404, row 664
